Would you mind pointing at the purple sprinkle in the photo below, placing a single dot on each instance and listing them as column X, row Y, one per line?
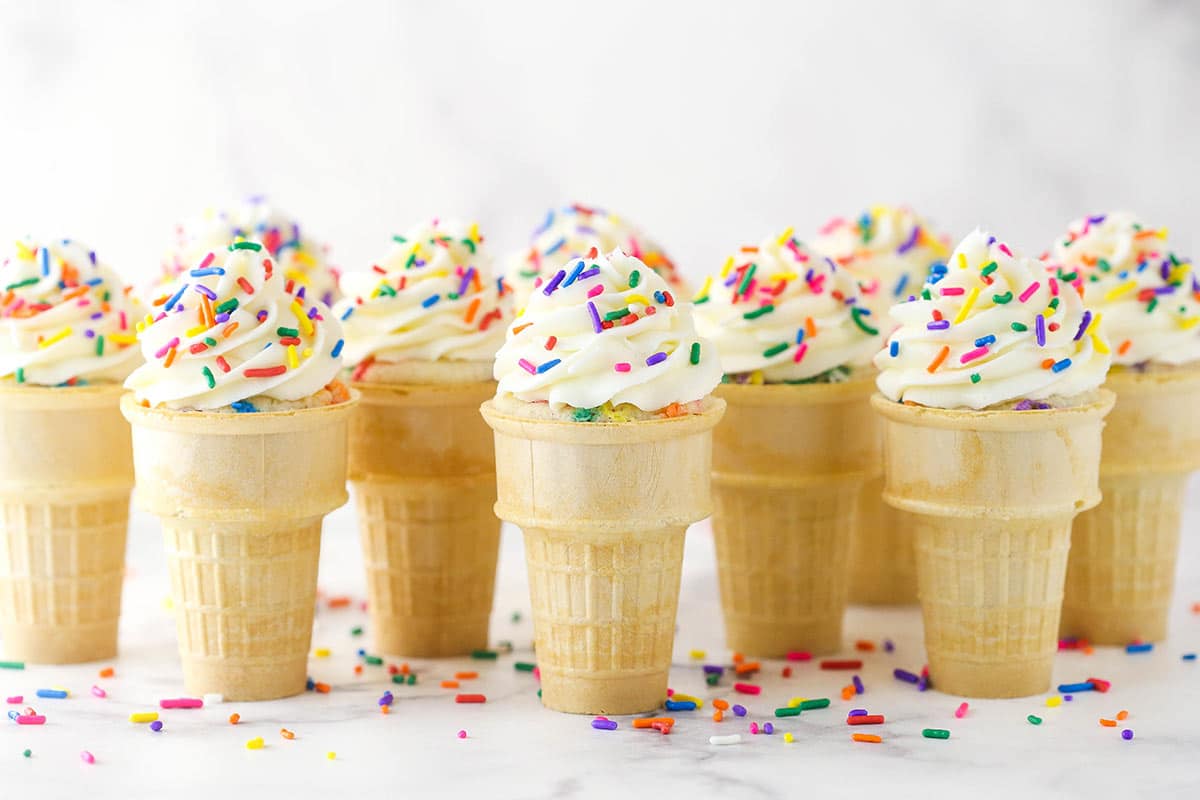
column 1083, row 325
column 938, row 325
column 858, row 685
column 888, row 646
column 604, row 724
column 156, row 726
column 714, row 669
column 923, row 684
column 906, row 676
column 97, row 315
column 89, row 333
column 857, row 712
column 1165, row 290
column 1127, row 734
column 312, row 313
column 262, row 315
column 912, row 241
column 1024, row 405
column 300, row 293
column 590, row 273
column 222, row 317
column 769, row 729
column 1096, row 220
column 466, row 281
column 595, row 315
column 553, row 283
column 204, row 290
column 1040, row 328
column 1068, row 697
column 739, row 710
column 657, row 358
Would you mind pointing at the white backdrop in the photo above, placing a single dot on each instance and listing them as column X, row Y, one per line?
column 709, row 124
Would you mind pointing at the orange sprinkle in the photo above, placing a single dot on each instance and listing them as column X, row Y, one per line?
column 648, row 722
column 234, row 719
column 738, row 658
column 1124, row 348
column 228, row 329
column 449, row 684
column 358, row 669
column 747, row 667
column 810, row 327
column 404, row 668
column 718, row 715
column 341, row 601
column 723, row 705
column 170, row 359
column 471, row 309
column 1121, row 715
column 466, row 676
column 848, row 691
column 1108, row 723
column 82, row 290
column 866, row 737
column 1047, row 363
column 673, row 410
column 323, row 688
column 520, row 328
column 864, row 645
column 385, row 709
column 107, row 672
column 937, row 362
column 285, row 733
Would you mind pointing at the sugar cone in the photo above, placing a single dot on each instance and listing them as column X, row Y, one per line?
column 789, row 464
column 883, row 561
column 424, row 472
column 1121, row 572
column 241, row 498
column 992, row 494
column 604, row 507
column 65, row 475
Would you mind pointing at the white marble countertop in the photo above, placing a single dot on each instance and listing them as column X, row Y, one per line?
column 516, row 749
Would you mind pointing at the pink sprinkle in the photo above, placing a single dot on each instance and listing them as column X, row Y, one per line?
column 462, row 734
column 800, row 351
column 595, row 290
column 31, row 719
column 978, row 352
column 1004, row 249
column 1028, row 293
column 16, row 698
column 1053, row 288
column 754, row 727
column 799, row 655
column 87, row 757
column 623, row 366
column 208, row 259
column 527, row 366
column 961, row 711
column 162, row 351
column 670, row 693
column 96, row 690
column 747, row 688
column 181, row 702
column 952, row 291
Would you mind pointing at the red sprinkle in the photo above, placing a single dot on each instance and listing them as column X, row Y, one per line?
column 266, row 372
column 847, row 664
column 747, row 688
column 865, row 719
column 470, row 698
column 245, row 284
column 1100, row 684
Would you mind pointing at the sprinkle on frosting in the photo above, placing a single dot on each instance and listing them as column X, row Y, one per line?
column 992, row 328
column 620, row 336
column 569, row 233
column 432, row 297
column 235, row 328
column 778, row 312
column 67, row 317
column 1149, row 297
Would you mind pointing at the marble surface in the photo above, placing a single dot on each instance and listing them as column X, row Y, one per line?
column 516, row 749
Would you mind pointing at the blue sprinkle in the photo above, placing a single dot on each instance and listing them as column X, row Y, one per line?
column 243, row 407
column 551, row 363
column 683, row 705
column 175, row 298
column 200, row 273
column 573, row 276
column 657, row 358
column 894, row 348
column 56, row 694
column 429, row 301
column 984, row 341
column 346, row 314
column 1059, row 366
column 1068, row 688
column 900, row 284
column 1145, row 647
column 555, row 247
column 800, row 336
column 337, row 349
column 45, row 262
column 1189, row 656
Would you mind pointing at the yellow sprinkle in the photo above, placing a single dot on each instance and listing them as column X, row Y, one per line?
column 293, row 361
column 1048, row 313
column 687, row 698
column 1162, row 233
column 149, row 320
column 704, row 289
column 1099, row 344
column 305, row 258
column 697, row 654
column 24, row 252
column 756, row 378
column 1094, row 325
column 787, row 737
column 728, row 266
column 1117, row 291
column 795, row 701
column 962, row 260
column 297, row 276
column 198, row 329
column 784, row 276
column 139, row 326
column 520, row 312
column 56, row 338
column 321, row 652
column 473, row 232
column 1179, row 272
column 122, row 338
column 167, row 603
column 255, row 744
column 305, row 323
column 331, row 755
column 972, row 296
column 1188, row 324
column 1053, row 702
column 307, row 352
column 145, row 716
column 637, row 298
column 785, row 236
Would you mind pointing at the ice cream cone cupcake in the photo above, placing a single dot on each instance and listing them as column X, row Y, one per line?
column 65, row 464
column 992, row 416
column 239, row 445
column 603, row 424
column 422, row 330
column 1121, row 572
column 798, row 443
column 568, row 234
column 890, row 251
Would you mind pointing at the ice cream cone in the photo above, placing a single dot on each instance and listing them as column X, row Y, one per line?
column 604, row 507
column 241, row 498
column 65, row 476
column 1121, row 572
column 992, row 494
column 424, row 472
column 789, row 464
column 883, row 562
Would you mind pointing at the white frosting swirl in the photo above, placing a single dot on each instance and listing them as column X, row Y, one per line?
column 991, row 328
column 1150, row 299
column 570, row 233
column 889, row 249
column 786, row 312
column 606, row 330
column 230, row 330
column 431, row 298
column 66, row 317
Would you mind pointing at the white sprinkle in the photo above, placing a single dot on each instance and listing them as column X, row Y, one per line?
column 733, row 738
column 213, row 699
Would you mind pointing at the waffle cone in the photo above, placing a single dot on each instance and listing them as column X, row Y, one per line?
column 992, row 495
column 241, row 499
column 789, row 464
column 65, row 476
column 424, row 472
column 603, row 507
column 1121, row 573
column 883, row 561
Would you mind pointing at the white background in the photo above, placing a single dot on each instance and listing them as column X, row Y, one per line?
column 708, row 124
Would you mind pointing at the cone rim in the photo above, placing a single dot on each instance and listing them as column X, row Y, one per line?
column 223, row 423
column 994, row 419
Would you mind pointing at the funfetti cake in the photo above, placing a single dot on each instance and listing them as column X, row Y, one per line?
column 239, row 438
column 603, row 423
column 989, row 393
column 1121, row 572
column 422, row 326
column 65, row 465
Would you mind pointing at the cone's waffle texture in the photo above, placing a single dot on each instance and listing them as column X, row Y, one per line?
column 65, row 475
column 241, row 499
column 423, row 468
column 1121, row 573
column 883, row 561
column 789, row 464
column 604, row 507
column 992, row 494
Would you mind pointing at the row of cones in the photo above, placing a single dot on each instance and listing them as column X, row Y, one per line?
column 978, row 515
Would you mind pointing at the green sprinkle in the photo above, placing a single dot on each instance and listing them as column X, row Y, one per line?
column 700, row 300
column 1054, row 302
column 820, row 702
column 695, row 359
column 387, row 290
column 211, row 342
column 529, row 273
column 758, row 312
column 400, row 679
column 399, row 239
column 470, row 244
column 975, row 377
column 229, row 305
column 1034, row 719
column 1001, row 299
column 936, row 733
column 584, row 414
column 539, row 694
column 412, row 679
column 775, row 350
column 524, row 666
column 27, row 752
column 19, row 284
column 484, row 655
column 20, row 379
column 1069, row 277
column 12, row 665
column 287, row 332
column 208, row 376
column 356, row 630
column 857, row 314
column 412, row 259
column 452, row 296
column 988, row 268
column 255, row 246
column 516, row 617
column 788, row 711
column 612, row 315
column 1020, row 327
column 749, row 276
column 712, row 678
column 99, row 345
column 925, row 295
column 1103, row 265
column 635, row 278
column 1153, row 304
column 373, row 661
